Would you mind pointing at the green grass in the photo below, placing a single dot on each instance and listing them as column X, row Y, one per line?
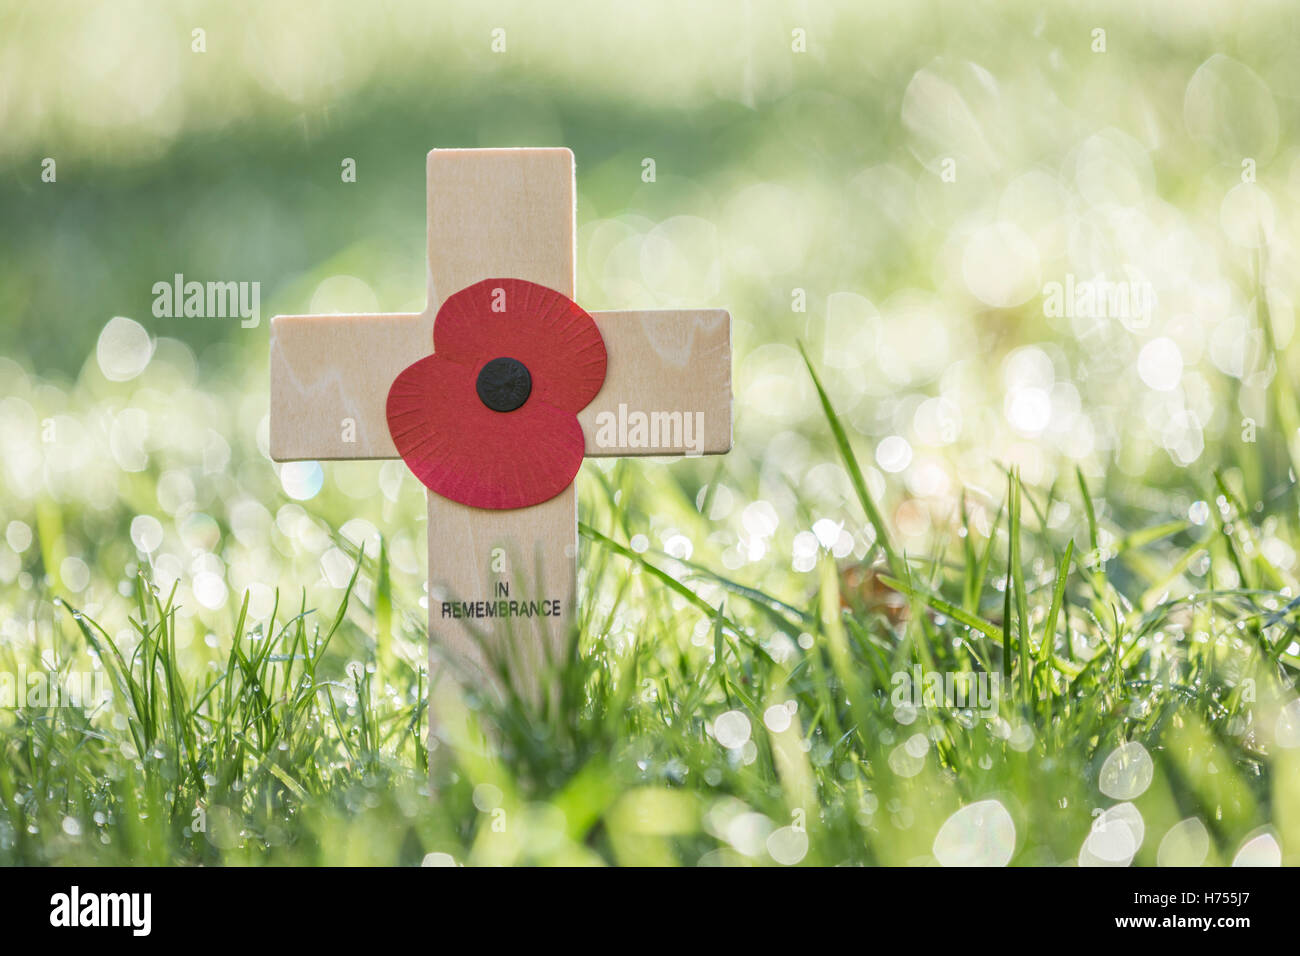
column 283, row 749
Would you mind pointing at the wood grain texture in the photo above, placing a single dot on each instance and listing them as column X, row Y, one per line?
column 329, row 382
column 506, row 213
column 473, row 556
column 671, row 365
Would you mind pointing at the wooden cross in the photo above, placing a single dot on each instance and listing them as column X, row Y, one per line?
column 500, row 213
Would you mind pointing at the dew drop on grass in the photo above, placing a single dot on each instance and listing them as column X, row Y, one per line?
column 210, row 590
column 894, row 454
column 777, row 718
column 1187, row 843
column 1021, row 738
column 827, row 532
column 146, row 533
column 1115, row 837
column 679, row 546
column 123, row 350
column 1127, row 772
column 487, row 797
column 1287, row 728
column 980, row 834
column 732, row 729
column 748, row 832
column 18, row 536
column 1160, row 364
column 1262, row 850
column 302, row 480
column 787, row 845
column 908, row 758
column 75, row 574
column 1230, row 110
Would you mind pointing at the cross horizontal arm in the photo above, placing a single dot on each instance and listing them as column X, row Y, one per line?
column 329, row 382
column 667, row 385
column 667, row 388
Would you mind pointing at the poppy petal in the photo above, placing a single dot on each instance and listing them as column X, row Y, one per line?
column 465, row 451
column 548, row 332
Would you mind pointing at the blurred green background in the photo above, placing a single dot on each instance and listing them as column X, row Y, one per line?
column 897, row 185
column 777, row 171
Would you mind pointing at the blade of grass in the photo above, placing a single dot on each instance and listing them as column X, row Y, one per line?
column 1045, row 649
column 1017, row 572
column 896, row 565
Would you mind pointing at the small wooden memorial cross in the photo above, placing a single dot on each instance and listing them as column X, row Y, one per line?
column 499, row 571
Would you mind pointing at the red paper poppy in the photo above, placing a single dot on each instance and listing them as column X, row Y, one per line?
column 491, row 418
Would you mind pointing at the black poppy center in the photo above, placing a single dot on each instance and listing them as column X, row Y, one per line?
column 504, row 384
